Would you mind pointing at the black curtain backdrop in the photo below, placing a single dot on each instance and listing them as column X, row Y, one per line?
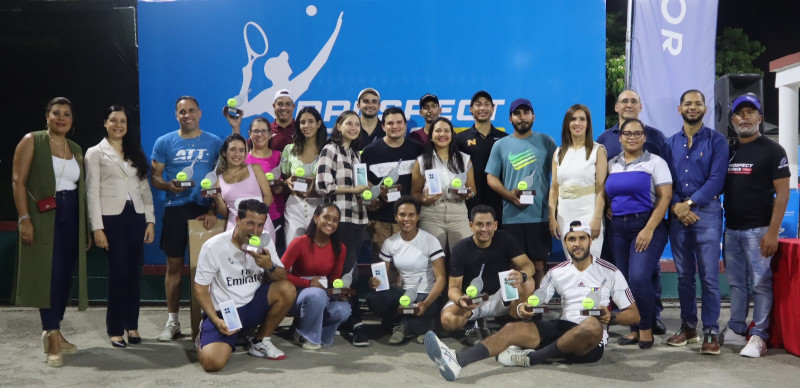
column 85, row 50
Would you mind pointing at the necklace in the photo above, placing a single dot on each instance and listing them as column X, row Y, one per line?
column 55, row 142
column 320, row 244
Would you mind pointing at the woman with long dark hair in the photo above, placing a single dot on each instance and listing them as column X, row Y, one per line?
column 309, row 138
column 578, row 178
column 239, row 181
column 314, row 261
column 50, row 196
column 121, row 218
column 444, row 215
column 336, row 183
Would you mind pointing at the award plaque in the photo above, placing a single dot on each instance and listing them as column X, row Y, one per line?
column 407, row 307
column 525, row 191
column 207, row 185
column 590, row 302
column 475, row 290
column 537, row 303
column 341, row 288
column 230, row 109
column 393, row 191
column 273, row 176
column 184, row 177
column 458, row 185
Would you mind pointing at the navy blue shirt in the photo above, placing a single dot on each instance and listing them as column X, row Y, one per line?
column 654, row 143
column 699, row 172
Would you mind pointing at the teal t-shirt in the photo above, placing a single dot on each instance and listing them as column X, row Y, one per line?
column 513, row 159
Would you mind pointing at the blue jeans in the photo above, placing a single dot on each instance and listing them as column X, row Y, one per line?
column 743, row 262
column 698, row 246
column 639, row 268
column 317, row 316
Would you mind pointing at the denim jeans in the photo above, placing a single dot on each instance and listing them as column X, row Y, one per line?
column 698, row 246
column 318, row 316
column 639, row 268
column 743, row 264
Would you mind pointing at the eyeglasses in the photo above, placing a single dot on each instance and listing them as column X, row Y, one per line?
column 259, row 131
column 632, row 135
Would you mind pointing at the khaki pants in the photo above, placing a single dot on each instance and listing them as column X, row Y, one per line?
column 447, row 220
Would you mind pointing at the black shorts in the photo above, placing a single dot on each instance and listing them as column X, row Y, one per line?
column 533, row 238
column 550, row 331
column 175, row 227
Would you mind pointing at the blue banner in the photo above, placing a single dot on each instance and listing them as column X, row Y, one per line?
column 326, row 52
column 673, row 50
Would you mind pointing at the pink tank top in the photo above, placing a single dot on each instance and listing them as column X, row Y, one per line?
column 267, row 164
column 232, row 192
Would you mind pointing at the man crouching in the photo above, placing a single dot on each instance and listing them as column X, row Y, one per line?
column 225, row 273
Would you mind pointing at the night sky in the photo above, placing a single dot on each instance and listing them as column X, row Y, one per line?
column 773, row 23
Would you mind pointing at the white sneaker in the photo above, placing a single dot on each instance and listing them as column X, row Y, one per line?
column 266, row 349
column 754, row 348
column 729, row 337
column 302, row 341
column 444, row 357
column 171, row 330
column 514, row 356
column 398, row 334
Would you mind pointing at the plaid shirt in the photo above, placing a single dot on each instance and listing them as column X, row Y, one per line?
column 336, row 169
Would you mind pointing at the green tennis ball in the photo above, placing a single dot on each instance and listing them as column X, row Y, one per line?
column 388, row 181
column 338, row 283
column 182, row 176
column 254, row 241
column 232, row 102
column 588, row 303
column 533, row 300
column 366, row 195
column 205, row 183
column 457, row 182
column 405, row 301
column 300, row 171
column 270, row 176
column 472, row 291
column 522, row 185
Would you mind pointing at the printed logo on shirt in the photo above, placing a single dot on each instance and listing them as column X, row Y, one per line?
column 472, row 142
column 522, row 159
column 581, row 284
column 740, row 168
column 784, row 163
column 190, row 154
column 247, row 277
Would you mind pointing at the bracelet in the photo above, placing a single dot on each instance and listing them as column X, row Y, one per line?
column 22, row 218
column 524, row 277
column 520, row 315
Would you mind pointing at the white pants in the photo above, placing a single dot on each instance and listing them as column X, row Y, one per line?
column 297, row 215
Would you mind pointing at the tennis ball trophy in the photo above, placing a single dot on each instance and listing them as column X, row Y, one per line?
column 341, row 287
column 475, row 290
column 207, row 185
column 303, row 177
column 458, row 185
column 407, row 307
column 525, row 191
column 391, row 185
column 590, row 304
column 184, row 177
column 537, row 303
column 231, row 108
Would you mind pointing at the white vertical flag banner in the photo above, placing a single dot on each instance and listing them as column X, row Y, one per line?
column 673, row 50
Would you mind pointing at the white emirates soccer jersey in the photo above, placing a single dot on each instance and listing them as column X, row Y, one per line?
column 229, row 272
column 414, row 259
column 573, row 286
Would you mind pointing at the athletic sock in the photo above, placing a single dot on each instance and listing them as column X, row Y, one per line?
column 549, row 351
column 473, row 354
column 173, row 317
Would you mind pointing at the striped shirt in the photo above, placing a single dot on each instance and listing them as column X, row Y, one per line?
column 335, row 169
column 573, row 286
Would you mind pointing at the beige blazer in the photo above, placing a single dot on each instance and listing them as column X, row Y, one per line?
column 109, row 183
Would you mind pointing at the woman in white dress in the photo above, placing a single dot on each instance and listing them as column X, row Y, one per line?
column 579, row 173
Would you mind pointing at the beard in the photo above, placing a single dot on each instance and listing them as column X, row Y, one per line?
column 522, row 128
column 746, row 132
column 579, row 258
column 368, row 116
column 692, row 121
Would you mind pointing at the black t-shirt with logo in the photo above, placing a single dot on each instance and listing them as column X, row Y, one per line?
column 467, row 259
column 380, row 159
column 749, row 188
column 479, row 147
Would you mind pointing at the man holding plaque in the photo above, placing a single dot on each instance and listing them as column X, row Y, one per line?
column 575, row 336
column 519, row 171
column 478, row 260
column 229, row 274
column 415, row 261
column 392, row 152
column 179, row 160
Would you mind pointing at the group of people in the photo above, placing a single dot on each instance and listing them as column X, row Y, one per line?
column 462, row 219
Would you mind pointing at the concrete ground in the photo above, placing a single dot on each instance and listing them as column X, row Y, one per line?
column 175, row 363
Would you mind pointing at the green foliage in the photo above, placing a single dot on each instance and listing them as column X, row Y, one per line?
column 736, row 52
column 615, row 63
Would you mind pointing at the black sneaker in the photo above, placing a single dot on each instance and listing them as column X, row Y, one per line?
column 472, row 334
column 483, row 328
column 360, row 336
column 659, row 328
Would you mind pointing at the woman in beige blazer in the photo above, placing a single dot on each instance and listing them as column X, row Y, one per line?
column 121, row 217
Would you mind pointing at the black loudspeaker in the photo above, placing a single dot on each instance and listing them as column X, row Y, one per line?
column 726, row 89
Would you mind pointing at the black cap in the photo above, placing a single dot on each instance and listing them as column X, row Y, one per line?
column 480, row 94
column 428, row 97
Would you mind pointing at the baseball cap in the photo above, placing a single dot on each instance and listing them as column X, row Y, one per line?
column 282, row 93
column 576, row 226
column 479, row 94
column 520, row 102
column 428, row 97
column 748, row 98
column 369, row 90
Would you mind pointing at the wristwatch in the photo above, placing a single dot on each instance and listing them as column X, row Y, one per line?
column 524, row 277
column 690, row 202
column 272, row 269
column 613, row 319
